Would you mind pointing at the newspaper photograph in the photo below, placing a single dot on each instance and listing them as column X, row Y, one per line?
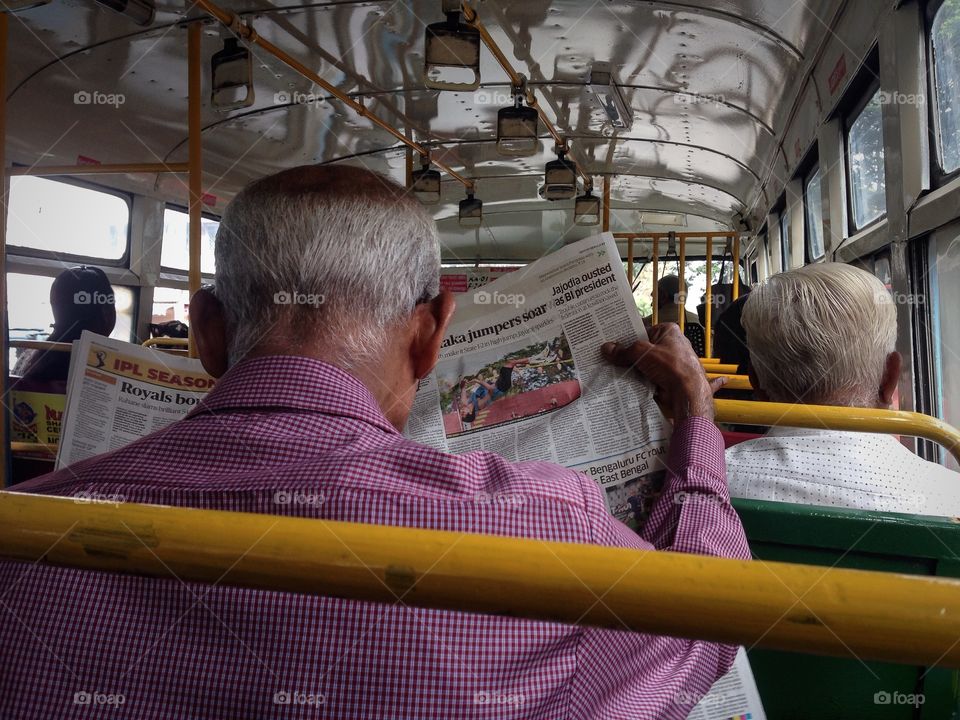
column 118, row 393
column 520, row 373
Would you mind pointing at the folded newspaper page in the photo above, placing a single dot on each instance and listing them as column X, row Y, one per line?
column 732, row 697
column 520, row 373
column 118, row 392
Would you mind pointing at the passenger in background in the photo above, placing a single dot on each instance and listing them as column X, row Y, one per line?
column 81, row 299
column 825, row 335
column 729, row 337
column 306, row 420
column 669, row 302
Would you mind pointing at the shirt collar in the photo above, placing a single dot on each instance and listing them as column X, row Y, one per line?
column 295, row 383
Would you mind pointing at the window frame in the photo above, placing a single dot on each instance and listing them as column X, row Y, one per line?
column 938, row 176
column 786, row 242
column 122, row 262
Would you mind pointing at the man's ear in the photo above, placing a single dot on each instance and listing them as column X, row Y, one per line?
column 890, row 379
column 430, row 327
column 208, row 327
column 758, row 393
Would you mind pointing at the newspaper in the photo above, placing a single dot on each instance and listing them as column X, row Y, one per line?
column 520, row 373
column 118, row 393
column 732, row 697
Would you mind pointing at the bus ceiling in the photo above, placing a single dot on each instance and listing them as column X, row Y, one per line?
column 683, row 106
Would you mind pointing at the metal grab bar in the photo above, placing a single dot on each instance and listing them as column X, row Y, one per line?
column 881, row 616
column 718, row 367
column 31, row 447
column 41, row 345
column 166, row 342
column 892, row 422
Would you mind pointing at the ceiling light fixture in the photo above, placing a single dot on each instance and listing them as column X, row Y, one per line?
column 609, row 96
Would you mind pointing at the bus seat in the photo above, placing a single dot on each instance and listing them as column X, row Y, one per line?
column 796, row 685
column 734, row 437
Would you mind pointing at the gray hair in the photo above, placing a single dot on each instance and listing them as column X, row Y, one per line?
column 339, row 251
column 821, row 335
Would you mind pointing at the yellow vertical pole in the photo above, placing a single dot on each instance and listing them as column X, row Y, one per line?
column 5, row 192
column 736, row 266
column 606, row 203
column 656, row 279
column 195, row 160
column 630, row 260
column 708, row 330
column 682, row 313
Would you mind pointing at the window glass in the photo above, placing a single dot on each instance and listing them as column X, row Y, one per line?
column 31, row 317
column 175, row 251
column 865, row 148
column 786, row 247
column 170, row 304
column 945, row 42
column 57, row 217
column 813, row 207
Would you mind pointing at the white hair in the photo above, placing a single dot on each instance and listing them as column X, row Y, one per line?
column 821, row 335
column 338, row 252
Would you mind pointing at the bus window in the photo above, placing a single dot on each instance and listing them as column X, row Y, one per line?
column 945, row 55
column 786, row 247
column 175, row 251
column 813, row 208
column 31, row 317
column 865, row 165
column 170, row 304
column 58, row 217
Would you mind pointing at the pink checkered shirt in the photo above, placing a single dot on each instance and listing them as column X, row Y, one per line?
column 293, row 436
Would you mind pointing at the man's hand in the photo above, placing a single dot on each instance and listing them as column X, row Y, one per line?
column 669, row 362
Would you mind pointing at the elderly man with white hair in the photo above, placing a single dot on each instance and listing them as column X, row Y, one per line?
column 824, row 335
column 326, row 314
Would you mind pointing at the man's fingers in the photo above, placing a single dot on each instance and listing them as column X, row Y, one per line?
column 717, row 384
column 625, row 355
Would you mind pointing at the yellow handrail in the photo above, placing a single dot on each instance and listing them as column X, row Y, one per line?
column 893, row 422
column 709, row 361
column 718, row 367
column 878, row 616
column 30, row 447
column 734, row 381
column 41, row 345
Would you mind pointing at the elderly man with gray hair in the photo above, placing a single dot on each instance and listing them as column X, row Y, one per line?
column 825, row 335
column 326, row 315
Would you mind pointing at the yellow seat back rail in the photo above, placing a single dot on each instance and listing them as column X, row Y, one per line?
column 872, row 615
column 829, row 417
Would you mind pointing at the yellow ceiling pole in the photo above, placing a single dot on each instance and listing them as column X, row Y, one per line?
column 708, row 331
column 655, row 317
column 246, row 32
column 195, row 159
column 5, row 198
column 109, row 169
column 606, row 203
column 876, row 616
column 682, row 314
column 472, row 17
column 736, row 266
column 892, row 422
